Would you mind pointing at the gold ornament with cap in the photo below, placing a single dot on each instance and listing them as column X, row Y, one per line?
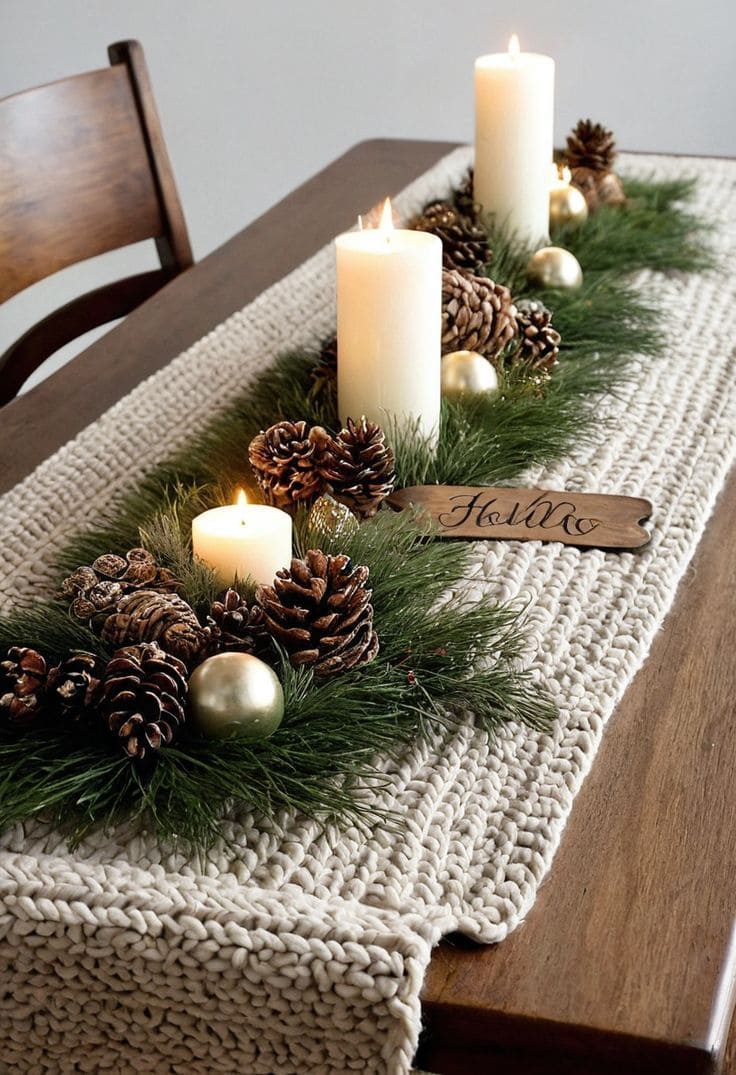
column 567, row 204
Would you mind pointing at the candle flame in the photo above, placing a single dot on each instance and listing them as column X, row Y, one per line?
column 514, row 47
column 241, row 499
column 386, row 223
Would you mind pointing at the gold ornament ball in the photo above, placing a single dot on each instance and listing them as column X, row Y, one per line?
column 567, row 205
column 554, row 267
column 236, row 694
column 466, row 373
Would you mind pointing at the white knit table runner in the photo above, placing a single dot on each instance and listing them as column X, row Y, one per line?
column 305, row 951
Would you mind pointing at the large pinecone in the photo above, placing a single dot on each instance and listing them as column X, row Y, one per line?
column 23, row 678
column 539, row 342
column 319, row 610
column 358, row 466
column 464, row 243
column 143, row 695
column 590, row 145
column 236, row 626
column 282, row 458
column 98, row 587
column 477, row 315
column 74, row 685
column 150, row 616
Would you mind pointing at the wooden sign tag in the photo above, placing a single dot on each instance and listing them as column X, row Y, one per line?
column 595, row 520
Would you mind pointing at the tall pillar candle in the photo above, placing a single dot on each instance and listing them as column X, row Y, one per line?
column 514, row 131
column 389, row 317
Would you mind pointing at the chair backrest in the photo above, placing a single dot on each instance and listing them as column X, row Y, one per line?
column 83, row 170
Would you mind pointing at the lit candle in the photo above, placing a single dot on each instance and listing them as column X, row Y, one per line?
column 514, row 121
column 389, row 317
column 243, row 540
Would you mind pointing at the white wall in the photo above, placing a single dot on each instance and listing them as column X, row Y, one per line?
column 255, row 97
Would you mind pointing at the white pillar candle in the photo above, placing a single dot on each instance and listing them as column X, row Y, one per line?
column 514, row 131
column 389, row 318
column 243, row 540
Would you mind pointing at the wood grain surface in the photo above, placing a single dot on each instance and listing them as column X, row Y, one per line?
column 593, row 520
column 623, row 964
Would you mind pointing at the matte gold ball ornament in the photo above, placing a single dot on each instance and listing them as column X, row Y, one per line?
column 465, row 374
column 554, row 267
column 567, row 205
column 236, row 694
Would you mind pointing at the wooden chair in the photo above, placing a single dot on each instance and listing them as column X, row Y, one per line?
column 83, row 170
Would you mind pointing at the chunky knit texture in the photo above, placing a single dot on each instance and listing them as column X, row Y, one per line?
column 304, row 951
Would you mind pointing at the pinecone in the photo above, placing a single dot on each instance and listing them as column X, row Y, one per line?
column 464, row 198
column 324, row 373
column 358, row 466
column 74, row 684
column 590, row 145
column 23, row 678
column 477, row 315
column 282, row 458
column 150, row 616
column 539, row 342
column 319, row 610
column 143, row 695
column 586, row 180
column 235, row 626
column 464, row 243
column 99, row 587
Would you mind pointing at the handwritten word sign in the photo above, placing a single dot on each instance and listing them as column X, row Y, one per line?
column 590, row 519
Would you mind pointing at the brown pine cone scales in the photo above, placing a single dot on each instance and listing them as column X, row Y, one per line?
column 143, row 697
column 464, row 197
column 464, row 243
column 590, row 145
column 282, row 458
column 23, row 678
column 98, row 587
column 74, row 685
column 150, row 616
column 236, row 626
column 358, row 466
column 319, row 611
column 539, row 342
column 477, row 315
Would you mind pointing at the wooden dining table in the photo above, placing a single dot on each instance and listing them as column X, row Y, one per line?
column 626, row 963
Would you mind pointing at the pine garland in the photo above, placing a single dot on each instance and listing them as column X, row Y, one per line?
column 434, row 662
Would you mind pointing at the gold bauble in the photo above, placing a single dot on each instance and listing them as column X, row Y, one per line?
column 466, row 373
column 554, row 267
column 330, row 519
column 235, row 694
column 567, row 205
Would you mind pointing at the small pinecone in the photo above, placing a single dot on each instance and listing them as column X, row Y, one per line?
column 143, row 695
column 477, row 315
column 23, row 677
column 282, row 458
column 464, row 243
column 237, row 627
column 150, row 616
column 98, row 587
column 74, row 684
column 358, row 466
column 590, row 145
column 539, row 342
column 464, row 198
column 319, row 610
column 324, row 373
